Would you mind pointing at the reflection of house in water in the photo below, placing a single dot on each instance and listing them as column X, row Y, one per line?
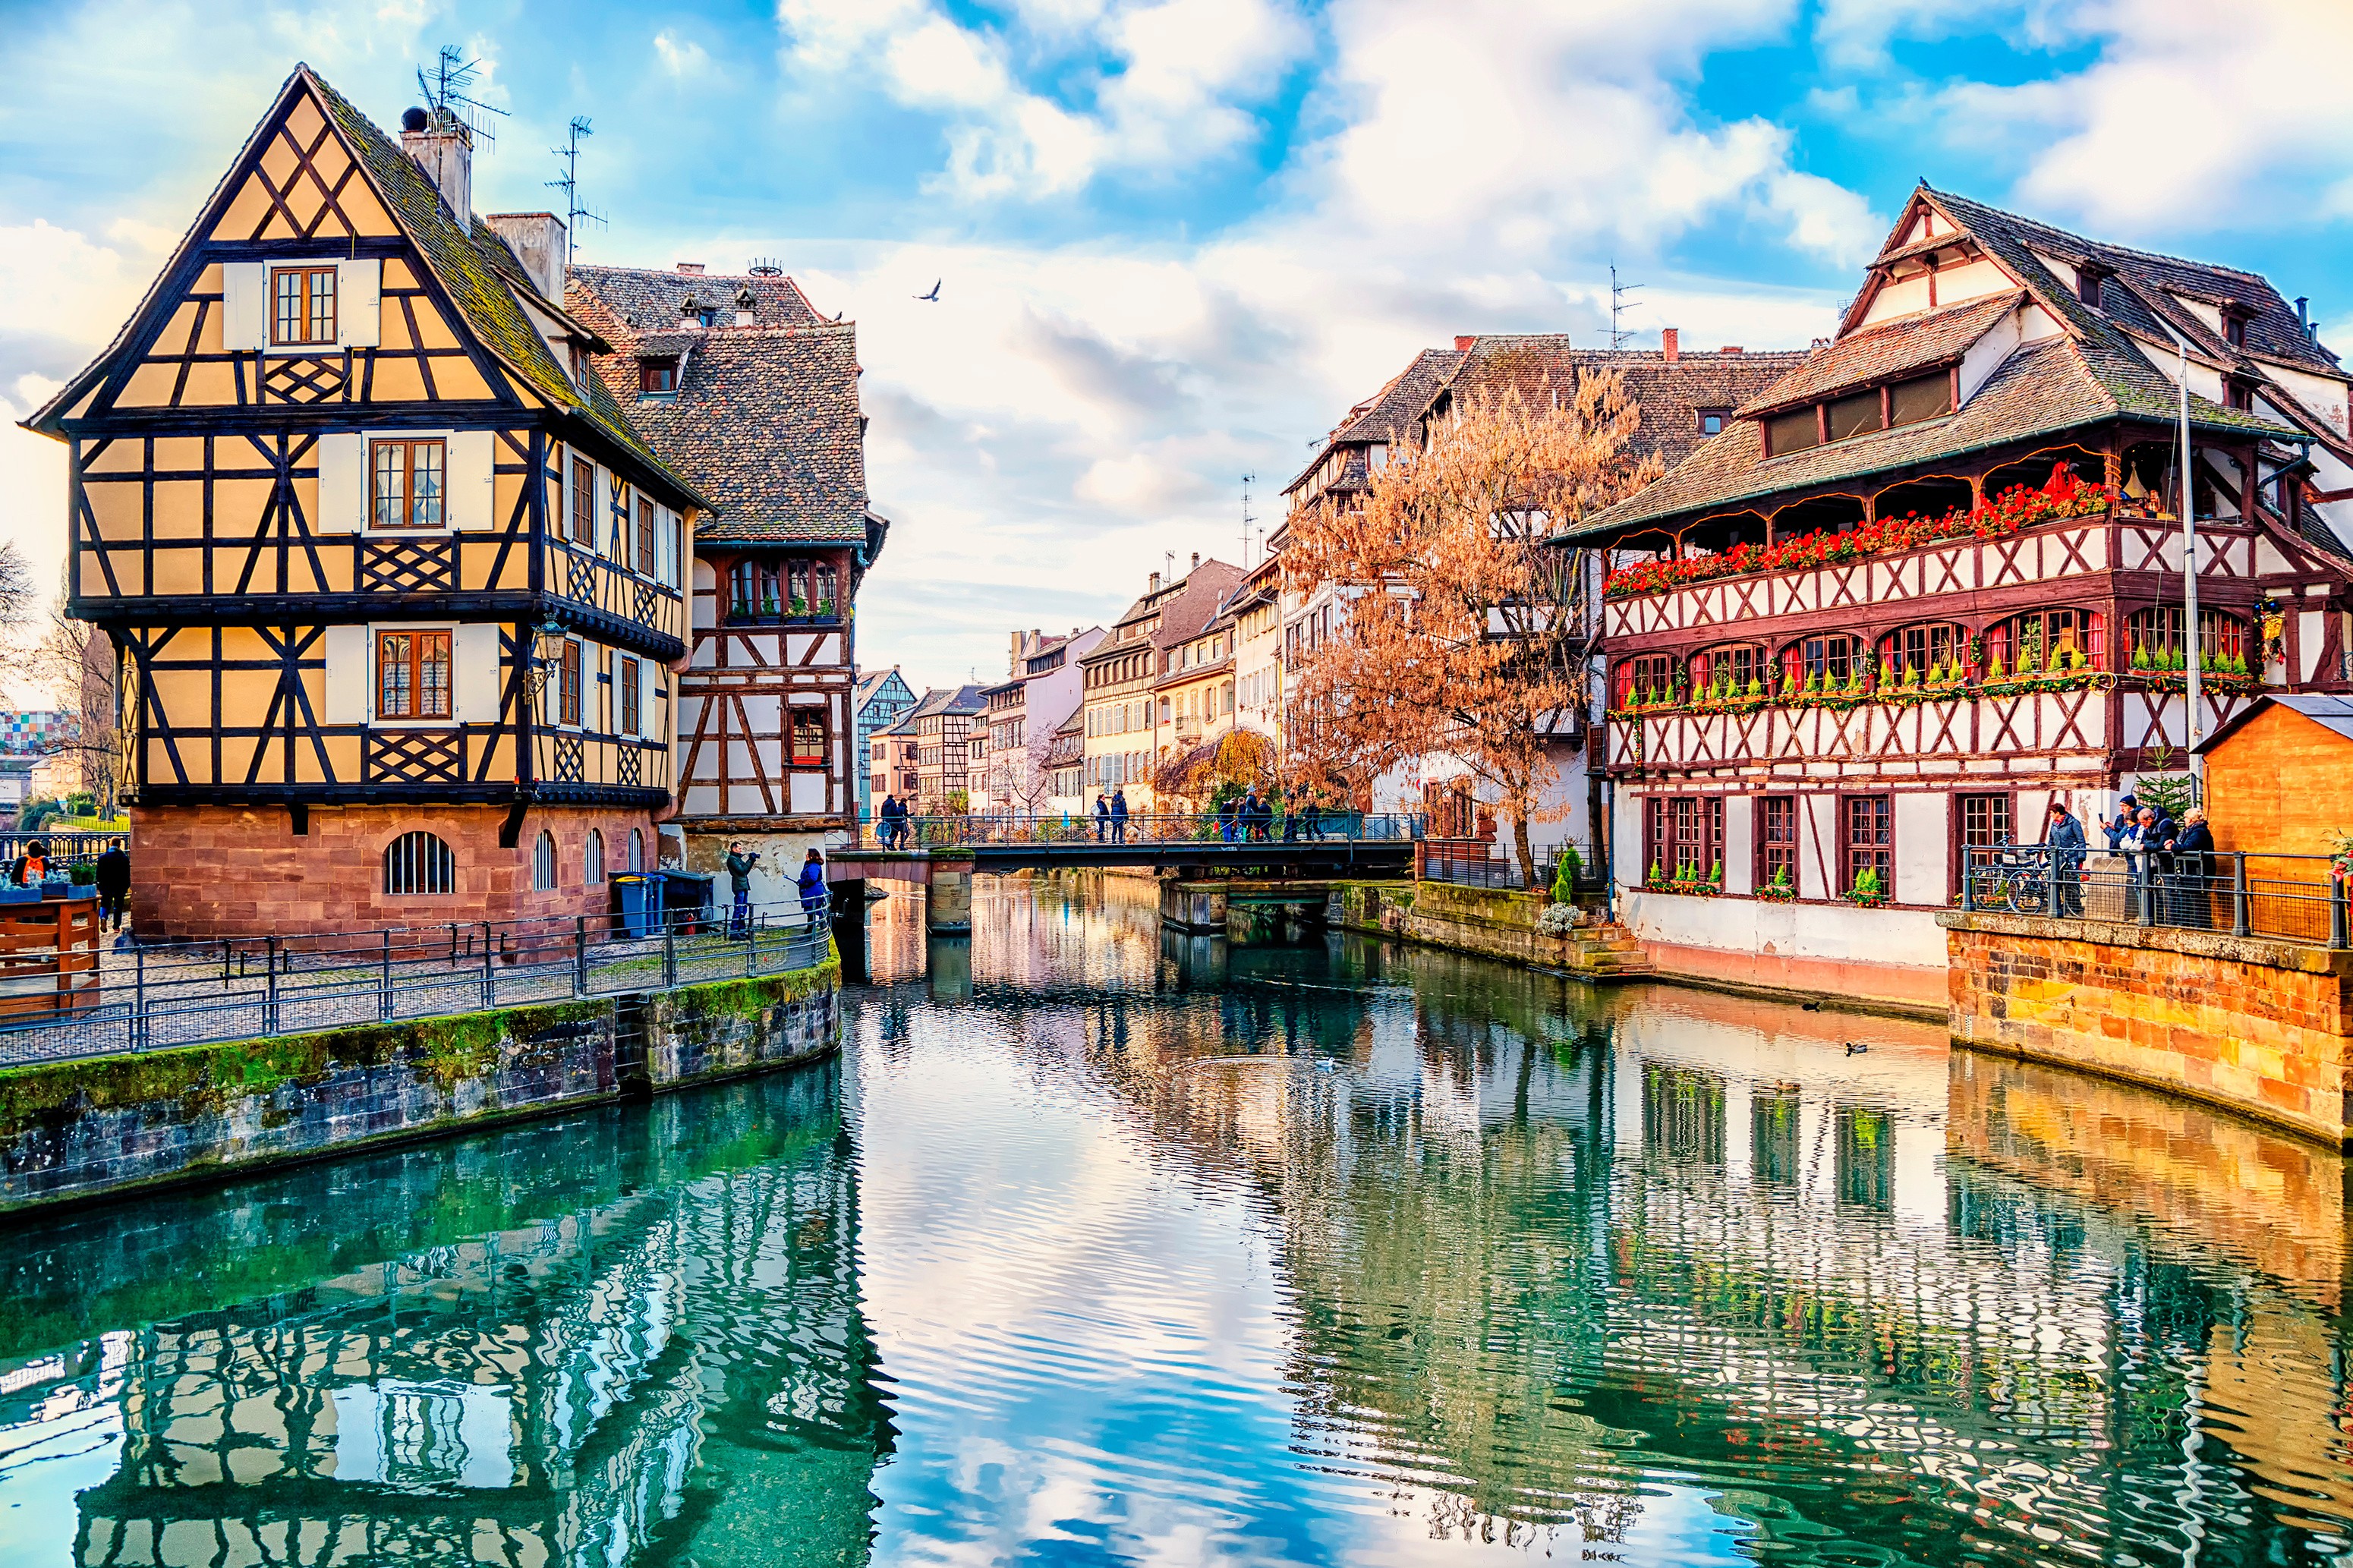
column 1543, row 1249
column 681, row 1372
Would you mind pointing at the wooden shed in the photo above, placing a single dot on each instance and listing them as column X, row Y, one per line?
column 2277, row 775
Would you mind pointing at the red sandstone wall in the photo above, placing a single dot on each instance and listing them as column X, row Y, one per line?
column 2261, row 1026
column 220, row 870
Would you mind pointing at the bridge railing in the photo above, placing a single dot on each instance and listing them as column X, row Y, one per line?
column 1150, row 828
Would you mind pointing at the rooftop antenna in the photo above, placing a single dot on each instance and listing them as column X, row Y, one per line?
column 1247, row 520
column 448, row 89
column 1619, row 294
column 575, row 215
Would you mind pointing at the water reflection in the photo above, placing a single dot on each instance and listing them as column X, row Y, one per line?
column 632, row 1336
column 1659, row 1276
column 1108, row 1244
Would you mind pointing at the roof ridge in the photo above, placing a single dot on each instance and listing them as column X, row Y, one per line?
column 2090, row 244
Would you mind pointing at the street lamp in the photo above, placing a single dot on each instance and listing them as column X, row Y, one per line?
column 2194, row 642
column 546, row 652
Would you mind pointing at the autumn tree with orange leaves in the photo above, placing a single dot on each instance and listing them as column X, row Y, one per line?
column 1464, row 632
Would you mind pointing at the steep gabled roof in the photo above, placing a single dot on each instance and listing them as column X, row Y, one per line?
column 1887, row 349
column 766, row 418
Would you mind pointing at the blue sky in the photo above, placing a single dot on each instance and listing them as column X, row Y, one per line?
column 1179, row 237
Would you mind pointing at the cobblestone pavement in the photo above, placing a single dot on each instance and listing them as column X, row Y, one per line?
column 197, row 994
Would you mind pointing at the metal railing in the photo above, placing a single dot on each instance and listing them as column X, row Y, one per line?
column 1486, row 870
column 180, row 993
column 1152, row 828
column 2287, row 898
column 67, row 849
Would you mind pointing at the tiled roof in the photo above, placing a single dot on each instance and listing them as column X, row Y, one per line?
column 963, row 699
column 1888, row 348
column 766, row 419
column 1392, row 413
column 643, row 299
column 1670, row 392
column 2272, row 331
column 481, row 276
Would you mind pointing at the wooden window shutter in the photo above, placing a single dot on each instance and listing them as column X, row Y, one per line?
column 349, row 679
column 471, row 482
column 342, row 483
column 245, row 305
column 475, row 654
column 359, row 310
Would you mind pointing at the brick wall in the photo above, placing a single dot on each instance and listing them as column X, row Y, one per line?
column 199, row 871
column 2262, row 1027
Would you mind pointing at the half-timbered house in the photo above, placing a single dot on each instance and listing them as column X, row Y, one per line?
column 1932, row 581
column 746, row 390
column 393, row 586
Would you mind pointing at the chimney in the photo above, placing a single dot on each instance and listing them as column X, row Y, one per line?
column 2304, row 315
column 1197, row 560
column 1672, row 341
column 1156, row 584
column 1462, row 342
column 694, row 268
column 1732, row 349
column 539, row 242
column 444, row 149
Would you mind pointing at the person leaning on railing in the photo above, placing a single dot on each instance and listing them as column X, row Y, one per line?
column 2068, row 849
column 2192, row 849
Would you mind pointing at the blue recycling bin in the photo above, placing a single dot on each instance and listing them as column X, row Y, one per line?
column 637, row 901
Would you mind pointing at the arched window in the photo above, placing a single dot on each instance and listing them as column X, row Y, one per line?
column 2156, row 638
column 2029, row 640
column 543, row 862
column 1832, row 655
column 637, row 850
column 1648, row 678
column 593, row 861
column 1936, row 646
column 1732, row 665
column 418, row 863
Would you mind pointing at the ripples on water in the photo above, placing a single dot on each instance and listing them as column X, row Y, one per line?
column 1105, row 1245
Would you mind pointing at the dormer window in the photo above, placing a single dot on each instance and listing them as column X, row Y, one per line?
column 1884, row 407
column 1712, row 420
column 579, row 366
column 2087, row 282
column 2239, row 392
column 2235, row 327
column 658, row 377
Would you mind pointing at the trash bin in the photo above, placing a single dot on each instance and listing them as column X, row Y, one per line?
column 686, row 900
column 637, row 901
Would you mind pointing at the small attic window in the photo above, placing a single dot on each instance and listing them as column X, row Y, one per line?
column 2239, row 392
column 2234, row 326
column 657, row 377
column 1712, row 420
column 2087, row 284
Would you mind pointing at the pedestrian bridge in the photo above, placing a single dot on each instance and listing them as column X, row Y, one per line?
column 943, row 853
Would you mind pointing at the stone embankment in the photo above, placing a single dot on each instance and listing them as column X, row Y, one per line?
column 96, row 1126
column 1493, row 923
column 2259, row 1027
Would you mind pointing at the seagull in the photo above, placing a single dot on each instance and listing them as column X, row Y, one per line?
column 934, row 297
column 1854, row 1050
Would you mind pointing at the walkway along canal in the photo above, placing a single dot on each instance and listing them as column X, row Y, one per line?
column 1107, row 1243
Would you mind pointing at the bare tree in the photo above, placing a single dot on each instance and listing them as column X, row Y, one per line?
column 17, row 604
column 1465, row 633
column 77, row 661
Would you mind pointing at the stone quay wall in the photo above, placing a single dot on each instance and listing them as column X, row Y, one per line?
column 98, row 1126
column 2258, row 1027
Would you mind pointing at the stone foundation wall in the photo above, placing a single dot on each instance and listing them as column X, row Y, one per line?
column 1494, row 922
column 201, row 871
column 2262, row 1027
column 76, row 1130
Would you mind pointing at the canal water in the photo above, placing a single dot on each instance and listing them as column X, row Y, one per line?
column 1105, row 1244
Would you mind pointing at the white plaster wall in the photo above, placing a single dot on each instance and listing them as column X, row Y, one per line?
column 1971, row 280
column 1986, row 355
column 1817, row 844
column 2324, row 395
column 1739, row 844
column 1626, row 838
column 1834, row 932
column 1921, row 836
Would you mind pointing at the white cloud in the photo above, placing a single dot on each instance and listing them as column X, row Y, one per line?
column 684, row 59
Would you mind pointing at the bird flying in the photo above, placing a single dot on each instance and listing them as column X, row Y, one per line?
column 934, row 297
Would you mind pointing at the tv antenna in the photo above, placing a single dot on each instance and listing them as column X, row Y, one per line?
column 1619, row 294
column 448, row 89
column 1246, row 518
column 575, row 215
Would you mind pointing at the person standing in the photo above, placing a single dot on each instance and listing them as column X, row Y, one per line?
column 813, row 888
column 1103, row 819
column 113, row 886
column 2124, row 828
column 2193, row 854
column 739, row 880
column 2154, row 831
column 1119, row 816
column 32, row 868
column 1311, row 817
column 2067, row 850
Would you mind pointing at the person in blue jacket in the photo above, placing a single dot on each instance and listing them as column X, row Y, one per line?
column 813, row 894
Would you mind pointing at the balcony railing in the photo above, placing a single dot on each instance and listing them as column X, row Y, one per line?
column 2283, row 896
